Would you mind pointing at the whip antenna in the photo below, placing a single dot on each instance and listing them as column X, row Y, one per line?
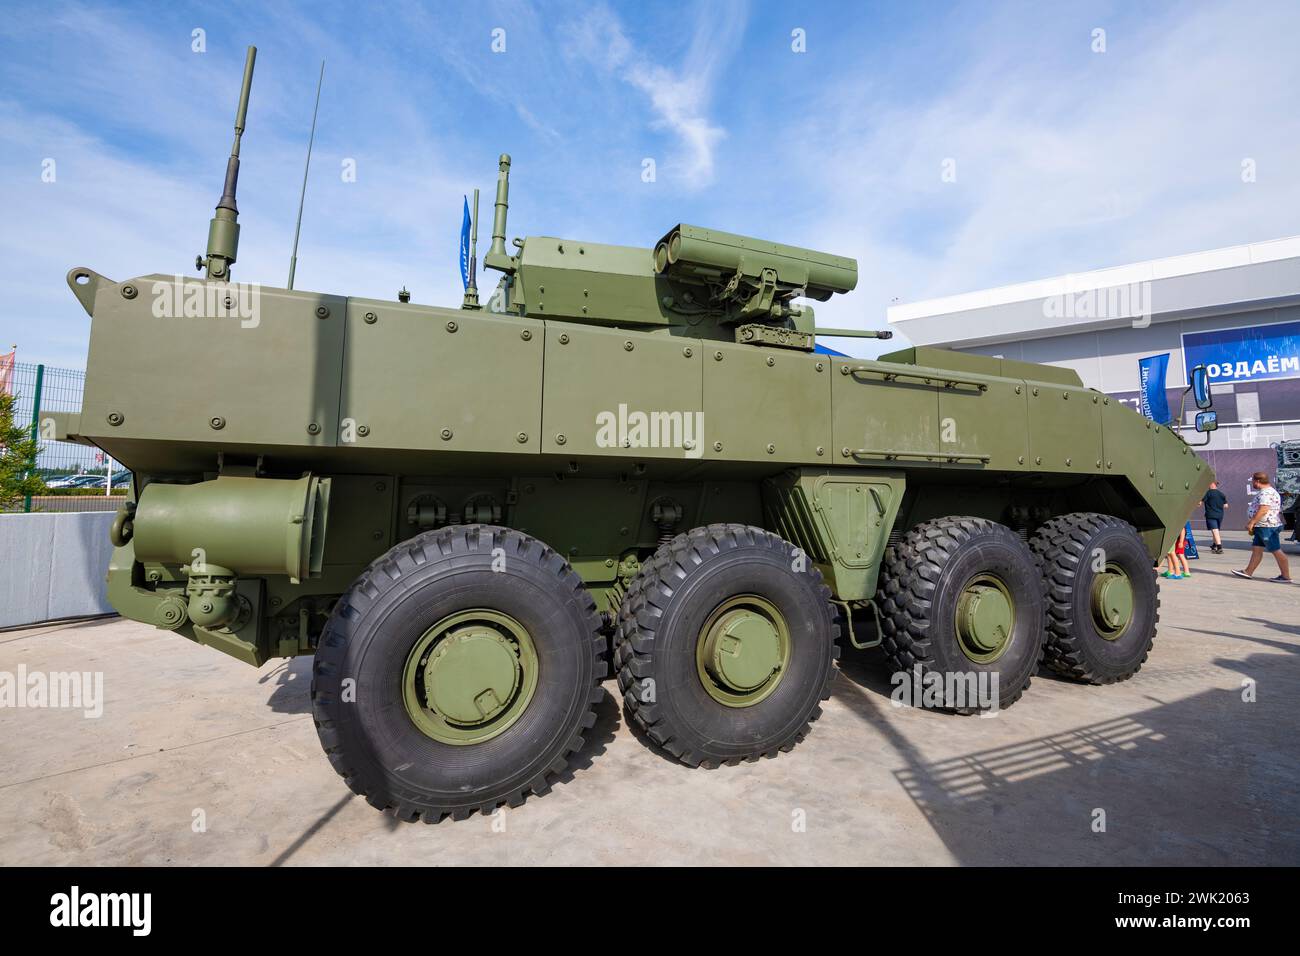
column 302, row 196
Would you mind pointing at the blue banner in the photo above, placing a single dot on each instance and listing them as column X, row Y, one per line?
column 464, row 247
column 1152, row 400
column 1247, row 354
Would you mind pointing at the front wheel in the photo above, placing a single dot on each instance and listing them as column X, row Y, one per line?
column 1102, row 599
column 457, row 673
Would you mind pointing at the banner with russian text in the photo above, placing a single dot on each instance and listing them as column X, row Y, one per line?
column 1248, row 354
column 1151, row 387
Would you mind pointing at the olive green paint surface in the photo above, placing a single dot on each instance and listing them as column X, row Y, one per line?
column 623, row 395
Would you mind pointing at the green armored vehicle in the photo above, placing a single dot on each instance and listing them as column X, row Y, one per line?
column 469, row 515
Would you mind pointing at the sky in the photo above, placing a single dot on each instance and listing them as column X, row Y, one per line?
column 946, row 147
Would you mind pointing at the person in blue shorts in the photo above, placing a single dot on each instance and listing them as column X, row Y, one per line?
column 1265, row 522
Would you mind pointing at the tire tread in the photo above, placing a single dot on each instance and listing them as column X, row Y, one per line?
column 388, row 572
column 643, row 606
column 1060, row 545
column 907, row 584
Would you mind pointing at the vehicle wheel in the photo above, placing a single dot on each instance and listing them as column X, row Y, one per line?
column 962, row 597
column 1102, row 599
column 457, row 673
column 725, row 645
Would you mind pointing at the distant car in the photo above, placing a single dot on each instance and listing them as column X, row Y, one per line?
column 120, row 480
column 76, row 481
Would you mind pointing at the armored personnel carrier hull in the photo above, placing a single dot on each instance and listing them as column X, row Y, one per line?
column 468, row 516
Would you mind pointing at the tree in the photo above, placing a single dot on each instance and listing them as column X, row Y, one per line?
column 18, row 452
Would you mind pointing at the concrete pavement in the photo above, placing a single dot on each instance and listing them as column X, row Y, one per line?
column 198, row 759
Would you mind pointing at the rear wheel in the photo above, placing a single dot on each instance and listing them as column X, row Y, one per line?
column 457, row 673
column 1102, row 599
column 962, row 611
column 725, row 645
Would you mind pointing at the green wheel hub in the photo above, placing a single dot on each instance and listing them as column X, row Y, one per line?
column 1112, row 602
column 470, row 677
column 743, row 651
column 986, row 617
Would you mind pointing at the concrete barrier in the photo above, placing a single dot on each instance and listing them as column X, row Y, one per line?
column 52, row 566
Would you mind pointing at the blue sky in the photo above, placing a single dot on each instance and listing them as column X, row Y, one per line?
column 1066, row 158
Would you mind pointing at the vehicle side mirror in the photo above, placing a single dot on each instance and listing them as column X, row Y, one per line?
column 1207, row 421
column 1201, row 388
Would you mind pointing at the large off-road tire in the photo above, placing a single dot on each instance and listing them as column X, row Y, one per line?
column 396, row 683
column 712, row 612
column 1102, row 600
column 961, row 596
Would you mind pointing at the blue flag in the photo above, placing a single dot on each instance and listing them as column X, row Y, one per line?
column 1151, row 387
column 464, row 248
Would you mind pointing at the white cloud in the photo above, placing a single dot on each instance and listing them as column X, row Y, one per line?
column 679, row 95
column 1066, row 160
column 1064, row 163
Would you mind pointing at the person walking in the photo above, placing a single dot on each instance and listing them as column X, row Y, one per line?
column 1265, row 523
column 1215, row 502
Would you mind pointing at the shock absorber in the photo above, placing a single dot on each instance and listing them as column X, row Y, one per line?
column 666, row 515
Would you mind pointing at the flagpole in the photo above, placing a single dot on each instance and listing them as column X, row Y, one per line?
column 471, row 290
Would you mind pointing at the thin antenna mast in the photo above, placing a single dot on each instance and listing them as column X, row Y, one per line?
column 471, row 292
column 302, row 197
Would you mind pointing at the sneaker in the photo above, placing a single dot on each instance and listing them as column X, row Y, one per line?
column 1241, row 574
column 1281, row 579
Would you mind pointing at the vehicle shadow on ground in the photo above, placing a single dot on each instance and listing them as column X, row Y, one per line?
column 1115, row 791
column 596, row 739
column 291, row 692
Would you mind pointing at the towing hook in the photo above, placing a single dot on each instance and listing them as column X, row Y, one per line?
column 123, row 525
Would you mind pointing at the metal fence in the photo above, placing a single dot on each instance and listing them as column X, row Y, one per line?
column 77, row 477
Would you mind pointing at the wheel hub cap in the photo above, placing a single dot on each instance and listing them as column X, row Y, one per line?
column 470, row 677
column 985, row 618
column 1112, row 602
column 743, row 650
